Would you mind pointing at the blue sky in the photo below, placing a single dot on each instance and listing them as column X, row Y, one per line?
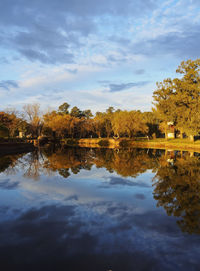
column 93, row 54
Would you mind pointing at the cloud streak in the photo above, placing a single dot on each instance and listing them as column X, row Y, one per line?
column 125, row 86
column 59, row 28
column 8, row 84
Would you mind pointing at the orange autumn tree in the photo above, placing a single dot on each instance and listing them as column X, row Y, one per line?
column 58, row 123
column 128, row 123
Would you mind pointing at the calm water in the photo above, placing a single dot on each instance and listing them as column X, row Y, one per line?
column 97, row 209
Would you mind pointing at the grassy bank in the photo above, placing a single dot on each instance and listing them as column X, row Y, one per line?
column 159, row 143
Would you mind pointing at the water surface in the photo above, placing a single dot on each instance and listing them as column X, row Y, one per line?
column 100, row 209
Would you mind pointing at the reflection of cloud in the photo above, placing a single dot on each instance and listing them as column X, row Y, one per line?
column 81, row 238
column 140, row 196
column 8, row 184
column 124, row 182
column 62, row 237
column 73, row 197
column 79, row 226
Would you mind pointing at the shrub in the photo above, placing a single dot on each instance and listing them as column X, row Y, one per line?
column 103, row 143
column 3, row 131
column 123, row 143
column 70, row 141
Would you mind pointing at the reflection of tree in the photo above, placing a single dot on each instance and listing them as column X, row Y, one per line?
column 130, row 162
column 176, row 183
column 70, row 158
column 9, row 162
column 125, row 162
column 177, row 189
column 64, row 172
column 34, row 162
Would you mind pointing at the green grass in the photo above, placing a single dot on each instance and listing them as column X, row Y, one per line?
column 163, row 140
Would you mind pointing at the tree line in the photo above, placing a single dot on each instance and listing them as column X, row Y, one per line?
column 176, row 101
column 74, row 123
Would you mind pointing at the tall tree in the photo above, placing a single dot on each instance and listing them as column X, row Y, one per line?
column 165, row 107
column 76, row 112
column 99, row 124
column 128, row 123
column 87, row 114
column 110, row 110
column 11, row 122
column 188, row 97
column 152, row 123
column 64, row 108
column 60, row 124
column 178, row 100
column 33, row 115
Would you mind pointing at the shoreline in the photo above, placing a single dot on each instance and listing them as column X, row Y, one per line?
column 7, row 148
column 174, row 144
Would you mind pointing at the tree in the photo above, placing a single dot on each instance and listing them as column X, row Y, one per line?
column 87, row 114
column 4, row 132
column 7, row 121
column 76, row 112
column 33, row 115
column 188, row 97
column 64, row 108
column 165, row 107
column 178, row 100
column 99, row 124
column 128, row 123
column 152, row 123
column 110, row 110
column 60, row 124
column 11, row 122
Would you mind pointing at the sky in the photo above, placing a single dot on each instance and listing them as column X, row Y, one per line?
column 93, row 54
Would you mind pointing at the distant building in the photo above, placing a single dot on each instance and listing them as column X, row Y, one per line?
column 21, row 134
column 171, row 130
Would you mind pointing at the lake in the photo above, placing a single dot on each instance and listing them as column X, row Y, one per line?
column 100, row 209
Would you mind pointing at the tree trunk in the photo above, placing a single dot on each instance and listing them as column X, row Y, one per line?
column 54, row 135
column 181, row 134
column 166, row 134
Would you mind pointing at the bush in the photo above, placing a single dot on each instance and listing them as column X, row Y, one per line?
column 103, row 143
column 3, row 131
column 123, row 143
column 70, row 141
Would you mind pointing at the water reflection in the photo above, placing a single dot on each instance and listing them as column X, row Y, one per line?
column 177, row 189
column 130, row 162
column 95, row 209
column 9, row 161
